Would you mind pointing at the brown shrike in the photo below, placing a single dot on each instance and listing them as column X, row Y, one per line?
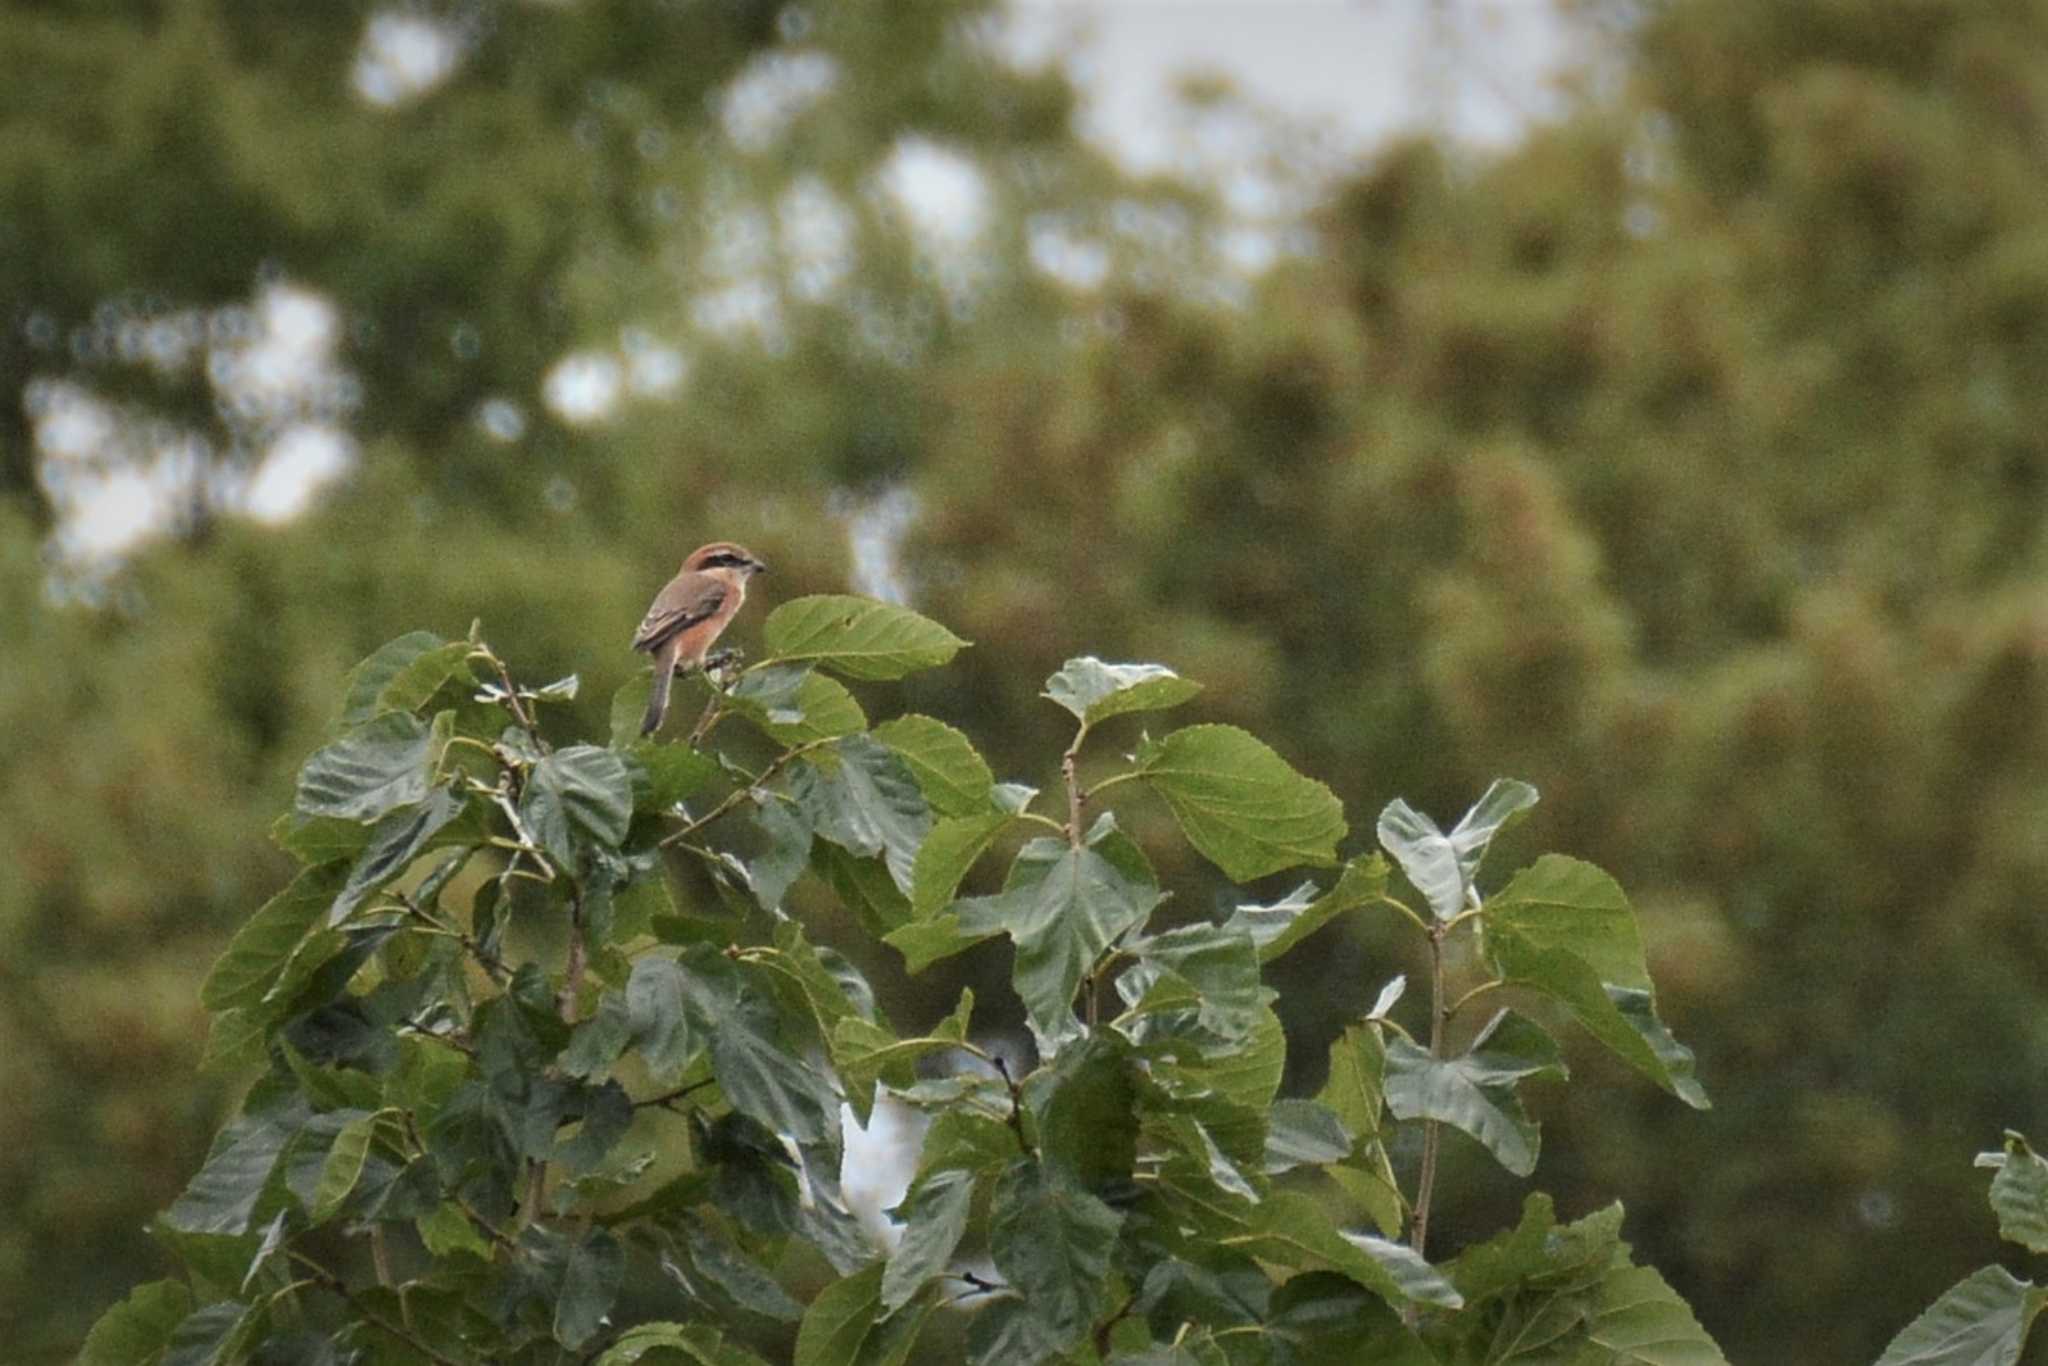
column 688, row 615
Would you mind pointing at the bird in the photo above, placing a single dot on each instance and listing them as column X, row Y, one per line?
column 688, row 615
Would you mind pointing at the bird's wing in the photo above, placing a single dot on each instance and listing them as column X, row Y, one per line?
column 685, row 602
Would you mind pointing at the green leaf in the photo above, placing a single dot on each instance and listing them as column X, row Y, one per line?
column 400, row 676
column 706, row 997
column 1239, row 803
column 1295, row 1230
column 934, row 1220
column 863, row 799
column 1084, row 1110
column 1983, row 1320
column 395, row 841
column 381, row 764
column 1063, row 907
column 694, row 1342
column 1219, row 963
column 314, row 840
column 950, row 848
column 580, row 788
column 840, row 1319
column 1280, row 926
column 133, row 1332
column 447, row 1230
column 2019, row 1194
column 741, row 1278
column 857, row 637
column 954, row 779
column 343, row 1167
column 1094, row 691
column 659, row 1026
column 1053, row 1241
column 1355, row 1094
column 796, row 705
column 1325, row 1319
column 1564, row 928
column 223, row 1195
column 211, row 1334
column 1475, row 1092
column 666, row 774
column 1641, row 1320
column 257, row 954
column 865, row 1053
column 590, row 1283
column 1442, row 867
column 1304, row 1133
column 924, row 942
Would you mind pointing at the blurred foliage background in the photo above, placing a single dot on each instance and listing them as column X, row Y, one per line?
column 1688, row 458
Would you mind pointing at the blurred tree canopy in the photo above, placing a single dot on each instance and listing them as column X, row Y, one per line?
column 1687, row 459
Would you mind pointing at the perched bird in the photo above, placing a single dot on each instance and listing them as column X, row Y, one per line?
column 688, row 615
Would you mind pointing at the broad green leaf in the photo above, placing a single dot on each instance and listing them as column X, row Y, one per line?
column 1355, row 1094
column 663, row 775
column 840, row 1319
column 395, row 841
column 1983, row 1320
column 582, row 788
column 857, row 637
column 210, row 1334
column 257, row 954
column 1084, row 1110
column 1283, row 924
column 446, row 1230
column 1052, row 1241
column 954, row 779
column 864, row 799
column 934, row 1220
column 315, row 840
column 949, row 850
column 1239, row 803
column 343, row 1167
column 1426, row 855
column 1643, row 1322
column 628, row 706
column 774, row 870
column 1293, row 1229
column 760, row 1074
column 742, row 1279
column 1511, row 1258
column 696, row 1343
column 924, row 942
column 590, row 1283
column 1304, row 1133
column 1063, row 906
column 864, row 1052
column 659, row 1025
column 864, row 886
column 1475, row 1092
column 136, row 1330
column 223, row 1195
column 1564, row 928
column 796, row 705
column 1219, row 963
column 1094, row 691
column 1324, row 1319
column 381, row 764
column 400, row 676
column 2019, row 1194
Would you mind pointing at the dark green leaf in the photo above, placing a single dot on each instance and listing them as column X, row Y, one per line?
column 949, row 850
column 865, row 1052
column 934, row 1220
column 857, row 637
column 924, row 942
column 696, row 1343
column 208, row 1335
column 1053, row 1241
column 796, row 705
column 1063, row 906
column 1355, row 1094
column 775, row 870
column 400, row 676
column 395, row 841
column 864, row 886
column 1323, row 1319
column 1301, row 1133
column 314, row 840
column 954, row 779
column 2019, row 1194
column 590, row 1282
column 1094, row 691
column 866, row 802
column 1475, row 1092
column 1084, row 1108
column 134, row 1331
column 382, row 764
column 1241, row 804
column 659, row 1026
column 1280, row 926
column 666, row 774
column 582, row 788
column 260, row 949
column 840, row 1319
column 742, row 1279
column 223, row 1194
column 1643, row 1322
column 1983, row 1320
column 1293, row 1229
column 599, row 1040
column 1219, row 962
column 343, row 1167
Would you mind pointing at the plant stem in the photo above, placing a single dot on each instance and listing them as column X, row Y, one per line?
column 570, row 996
column 1074, row 794
column 1432, row 1130
column 335, row 1284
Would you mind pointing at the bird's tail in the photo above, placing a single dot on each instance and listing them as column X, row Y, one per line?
column 657, row 700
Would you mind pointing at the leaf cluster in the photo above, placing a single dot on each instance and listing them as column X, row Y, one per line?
column 506, row 1077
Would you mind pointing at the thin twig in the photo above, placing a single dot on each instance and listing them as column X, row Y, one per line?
column 667, row 1096
column 739, row 794
column 1016, row 1103
column 570, row 997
